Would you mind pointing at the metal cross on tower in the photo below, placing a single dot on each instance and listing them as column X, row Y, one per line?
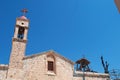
column 24, row 11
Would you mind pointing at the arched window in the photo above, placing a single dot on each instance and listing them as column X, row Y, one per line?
column 51, row 63
column 21, row 32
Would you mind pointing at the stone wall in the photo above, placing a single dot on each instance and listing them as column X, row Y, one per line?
column 3, row 71
column 35, row 68
column 16, row 60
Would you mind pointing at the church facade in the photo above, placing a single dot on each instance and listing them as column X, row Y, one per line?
column 47, row 65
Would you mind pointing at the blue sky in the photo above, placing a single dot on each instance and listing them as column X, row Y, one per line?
column 72, row 28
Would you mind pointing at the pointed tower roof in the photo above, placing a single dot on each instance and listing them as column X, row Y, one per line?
column 24, row 11
column 23, row 17
column 83, row 60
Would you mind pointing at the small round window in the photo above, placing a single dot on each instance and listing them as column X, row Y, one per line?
column 22, row 23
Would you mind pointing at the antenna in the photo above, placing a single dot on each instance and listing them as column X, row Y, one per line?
column 115, row 74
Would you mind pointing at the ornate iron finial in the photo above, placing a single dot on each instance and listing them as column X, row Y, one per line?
column 24, row 11
column 83, row 56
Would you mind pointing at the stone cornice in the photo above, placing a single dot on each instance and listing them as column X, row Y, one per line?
column 19, row 40
column 3, row 67
column 23, row 19
column 22, row 26
column 91, row 74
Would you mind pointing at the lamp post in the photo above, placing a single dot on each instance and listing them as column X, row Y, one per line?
column 83, row 74
column 117, row 2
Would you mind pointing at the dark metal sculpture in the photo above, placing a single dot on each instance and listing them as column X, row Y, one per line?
column 105, row 65
column 117, row 2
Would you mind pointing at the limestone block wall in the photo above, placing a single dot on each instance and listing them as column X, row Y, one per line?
column 64, row 70
column 3, row 71
column 16, row 62
column 35, row 68
column 3, row 74
column 90, row 76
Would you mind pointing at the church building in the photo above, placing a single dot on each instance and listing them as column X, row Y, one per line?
column 48, row 65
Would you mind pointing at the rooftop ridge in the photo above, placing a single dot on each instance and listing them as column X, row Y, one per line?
column 45, row 52
column 90, row 74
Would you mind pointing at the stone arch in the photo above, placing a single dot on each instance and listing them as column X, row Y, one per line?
column 51, row 63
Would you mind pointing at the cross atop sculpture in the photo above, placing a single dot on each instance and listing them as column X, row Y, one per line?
column 24, row 11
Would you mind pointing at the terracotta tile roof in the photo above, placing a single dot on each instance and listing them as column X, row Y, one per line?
column 23, row 17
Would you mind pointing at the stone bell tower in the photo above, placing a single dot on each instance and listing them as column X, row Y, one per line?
column 18, row 47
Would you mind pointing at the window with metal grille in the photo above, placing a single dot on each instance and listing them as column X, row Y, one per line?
column 50, row 66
